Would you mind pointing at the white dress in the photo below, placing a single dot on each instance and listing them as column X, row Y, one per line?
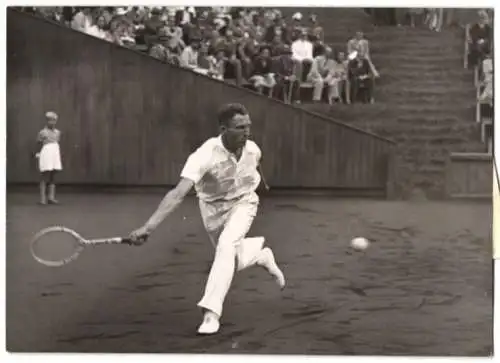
column 50, row 155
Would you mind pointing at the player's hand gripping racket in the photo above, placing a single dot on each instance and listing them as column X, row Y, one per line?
column 57, row 246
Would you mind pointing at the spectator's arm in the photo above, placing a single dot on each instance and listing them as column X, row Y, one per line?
column 314, row 72
column 310, row 51
column 184, row 58
column 296, row 52
column 350, row 47
column 240, row 49
column 321, row 34
column 366, row 45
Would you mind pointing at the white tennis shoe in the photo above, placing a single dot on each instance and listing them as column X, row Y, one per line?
column 210, row 324
column 267, row 260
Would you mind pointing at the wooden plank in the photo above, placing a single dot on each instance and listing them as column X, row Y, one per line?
column 469, row 174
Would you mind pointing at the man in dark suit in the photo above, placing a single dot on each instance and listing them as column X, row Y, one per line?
column 361, row 79
column 287, row 83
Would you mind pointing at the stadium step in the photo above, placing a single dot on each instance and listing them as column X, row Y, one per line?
column 425, row 100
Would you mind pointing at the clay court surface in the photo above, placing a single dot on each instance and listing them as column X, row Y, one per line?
column 423, row 288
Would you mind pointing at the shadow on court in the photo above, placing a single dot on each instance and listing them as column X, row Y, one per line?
column 423, row 288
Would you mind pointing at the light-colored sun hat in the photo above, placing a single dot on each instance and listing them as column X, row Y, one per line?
column 51, row 115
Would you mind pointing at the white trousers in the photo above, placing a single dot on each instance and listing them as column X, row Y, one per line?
column 227, row 225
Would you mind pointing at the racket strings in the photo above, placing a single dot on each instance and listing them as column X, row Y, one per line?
column 56, row 247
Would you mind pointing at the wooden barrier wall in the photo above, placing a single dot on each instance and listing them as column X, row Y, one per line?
column 469, row 175
column 127, row 119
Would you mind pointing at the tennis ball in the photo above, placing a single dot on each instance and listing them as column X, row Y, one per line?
column 360, row 243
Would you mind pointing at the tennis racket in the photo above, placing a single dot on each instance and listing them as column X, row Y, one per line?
column 57, row 246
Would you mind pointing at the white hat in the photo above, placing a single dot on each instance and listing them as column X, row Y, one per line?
column 191, row 10
column 297, row 16
column 51, row 115
column 353, row 55
column 219, row 23
column 121, row 11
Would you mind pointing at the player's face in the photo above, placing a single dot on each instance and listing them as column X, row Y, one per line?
column 51, row 122
column 237, row 132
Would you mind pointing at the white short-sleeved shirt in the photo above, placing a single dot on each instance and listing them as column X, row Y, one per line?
column 47, row 136
column 218, row 175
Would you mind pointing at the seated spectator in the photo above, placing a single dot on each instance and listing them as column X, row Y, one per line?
column 361, row 45
column 205, row 61
column 263, row 76
column 175, row 35
column 233, row 68
column 417, row 17
column 486, row 96
column 278, row 30
column 190, row 30
column 479, row 39
column 82, row 20
column 138, row 15
column 53, row 13
column 107, row 13
column 360, row 79
column 121, row 19
column 434, row 19
column 189, row 56
column 338, row 80
column 153, row 24
column 68, row 12
column 186, row 15
column 296, row 28
column 162, row 49
column 259, row 27
column 316, row 31
column 286, row 81
column 122, row 33
column 247, row 51
column 302, row 54
column 316, row 36
column 99, row 29
column 321, row 74
column 276, row 45
column 217, row 65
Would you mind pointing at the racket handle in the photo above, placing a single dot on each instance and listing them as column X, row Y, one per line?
column 129, row 241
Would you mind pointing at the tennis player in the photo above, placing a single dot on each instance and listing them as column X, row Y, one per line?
column 49, row 158
column 224, row 173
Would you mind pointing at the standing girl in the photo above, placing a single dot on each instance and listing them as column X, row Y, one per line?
column 49, row 158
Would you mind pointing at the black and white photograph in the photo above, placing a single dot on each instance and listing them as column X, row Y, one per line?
column 261, row 180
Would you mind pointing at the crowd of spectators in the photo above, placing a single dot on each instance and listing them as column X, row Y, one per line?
column 479, row 38
column 479, row 44
column 253, row 47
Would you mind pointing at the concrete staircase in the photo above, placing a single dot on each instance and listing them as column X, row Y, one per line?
column 424, row 100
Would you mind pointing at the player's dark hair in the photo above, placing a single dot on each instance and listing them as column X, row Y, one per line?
column 229, row 110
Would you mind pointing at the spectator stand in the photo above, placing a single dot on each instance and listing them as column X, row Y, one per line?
column 240, row 34
column 483, row 81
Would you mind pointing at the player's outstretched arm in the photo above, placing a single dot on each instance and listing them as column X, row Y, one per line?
column 168, row 204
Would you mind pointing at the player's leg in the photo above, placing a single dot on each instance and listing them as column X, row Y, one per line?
column 232, row 245
column 44, row 177
column 222, row 270
column 52, row 187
